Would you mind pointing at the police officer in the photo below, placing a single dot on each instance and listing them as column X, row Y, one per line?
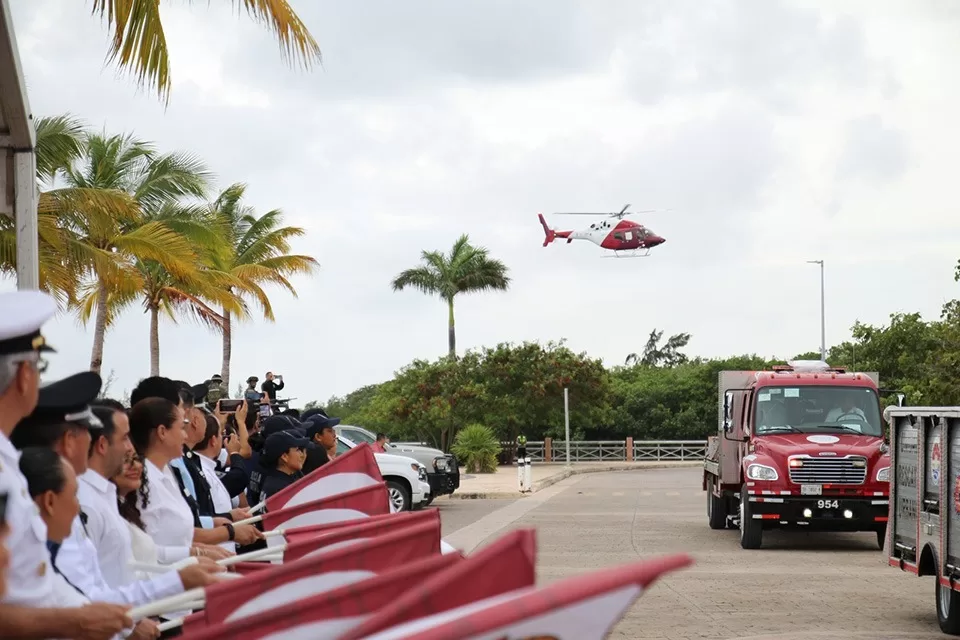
column 30, row 578
column 521, row 447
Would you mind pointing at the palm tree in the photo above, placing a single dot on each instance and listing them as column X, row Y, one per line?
column 141, row 44
column 160, row 291
column 60, row 143
column 466, row 269
column 107, row 248
column 256, row 253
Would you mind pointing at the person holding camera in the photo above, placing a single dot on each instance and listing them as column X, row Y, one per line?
column 270, row 387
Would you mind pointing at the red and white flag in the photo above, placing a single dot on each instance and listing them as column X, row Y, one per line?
column 301, row 543
column 264, row 590
column 328, row 614
column 296, row 534
column 355, row 469
column 372, row 500
column 503, row 566
column 584, row 607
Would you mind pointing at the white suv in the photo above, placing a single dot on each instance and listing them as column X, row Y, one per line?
column 405, row 477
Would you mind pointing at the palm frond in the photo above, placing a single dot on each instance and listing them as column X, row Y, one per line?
column 139, row 41
column 170, row 177
column 60, row 143
column 421, row 278
column 295, row 40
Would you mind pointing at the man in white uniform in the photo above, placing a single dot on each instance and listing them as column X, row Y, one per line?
column 31, row 583
column 63, row 421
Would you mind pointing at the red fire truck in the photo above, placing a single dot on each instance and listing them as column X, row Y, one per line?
column 925, row 501
column 800, row 446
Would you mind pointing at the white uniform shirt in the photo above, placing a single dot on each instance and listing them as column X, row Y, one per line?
column 31, row 579
column 79, row 556
column 221, row 497
column 167, row 516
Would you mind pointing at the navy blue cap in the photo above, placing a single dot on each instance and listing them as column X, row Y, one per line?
column 280, row 442
column 273, row 424
column 317, row 423
column 309, row 413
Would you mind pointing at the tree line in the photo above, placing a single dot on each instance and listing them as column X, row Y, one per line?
column 122, row 225
column 659, row 394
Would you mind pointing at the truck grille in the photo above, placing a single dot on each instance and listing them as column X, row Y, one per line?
column 830, row 471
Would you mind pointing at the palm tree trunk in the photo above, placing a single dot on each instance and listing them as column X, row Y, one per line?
column 99, row 329
column 452, row 336
column 227, row 346
column 154, row 341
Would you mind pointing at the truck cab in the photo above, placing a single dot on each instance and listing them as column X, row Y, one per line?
column 801, row 446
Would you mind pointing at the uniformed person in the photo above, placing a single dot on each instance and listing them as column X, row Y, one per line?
column 216, row 390
column 64, row 422
column 521, row 447
column 30, row 578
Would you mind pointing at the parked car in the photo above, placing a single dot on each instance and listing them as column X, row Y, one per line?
column 443, row 470
column 405, row 477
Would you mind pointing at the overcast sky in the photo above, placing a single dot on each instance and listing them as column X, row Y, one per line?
column 776, row 132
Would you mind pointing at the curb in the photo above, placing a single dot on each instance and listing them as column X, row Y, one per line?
column 563, row 475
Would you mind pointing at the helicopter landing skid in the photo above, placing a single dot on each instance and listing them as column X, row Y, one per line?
column 629, row 253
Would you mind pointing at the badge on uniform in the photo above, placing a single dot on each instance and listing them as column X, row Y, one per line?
column 42, row 569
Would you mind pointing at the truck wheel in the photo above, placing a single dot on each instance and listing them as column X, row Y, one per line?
column 716, row 510
column 948, row 609
column 399, row 495
column 751, row 531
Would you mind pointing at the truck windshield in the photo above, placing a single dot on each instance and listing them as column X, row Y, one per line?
column 817, row 409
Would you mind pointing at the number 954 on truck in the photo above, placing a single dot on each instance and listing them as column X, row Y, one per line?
column 799, row 447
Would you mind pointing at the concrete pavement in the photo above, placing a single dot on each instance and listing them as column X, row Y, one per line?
column 808, row 586
column 503, row 484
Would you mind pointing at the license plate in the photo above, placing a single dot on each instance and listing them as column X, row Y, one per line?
column 811, row 489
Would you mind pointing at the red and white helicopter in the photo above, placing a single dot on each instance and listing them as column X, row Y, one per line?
column 627, row 239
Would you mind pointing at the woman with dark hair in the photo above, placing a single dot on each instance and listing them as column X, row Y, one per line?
column 52, row 484
column 157, row 430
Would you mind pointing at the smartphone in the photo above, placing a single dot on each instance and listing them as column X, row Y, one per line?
column 3, row 509
column 230, row 406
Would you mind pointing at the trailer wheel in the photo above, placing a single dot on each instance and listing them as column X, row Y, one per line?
column 948, row 608
column 716, row 509
column 751, row 531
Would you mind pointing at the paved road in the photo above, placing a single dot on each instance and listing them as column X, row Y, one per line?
column 457, row 514
column 804, row 585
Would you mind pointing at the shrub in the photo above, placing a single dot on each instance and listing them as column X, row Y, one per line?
column 477, row 447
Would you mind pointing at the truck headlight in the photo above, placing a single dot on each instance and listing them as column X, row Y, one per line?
column 762, row 472
column 441, row 464
column 883, row 475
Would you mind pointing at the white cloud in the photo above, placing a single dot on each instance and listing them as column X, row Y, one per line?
column 777, row 132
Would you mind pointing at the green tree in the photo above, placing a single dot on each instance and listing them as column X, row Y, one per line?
column 466, row 269
column 255, row 253
column 106, row 248
column 139, row 42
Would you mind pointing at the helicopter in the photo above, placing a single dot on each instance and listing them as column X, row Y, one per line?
column 625, row 238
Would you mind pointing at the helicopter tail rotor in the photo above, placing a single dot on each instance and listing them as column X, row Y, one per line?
column 547, row 231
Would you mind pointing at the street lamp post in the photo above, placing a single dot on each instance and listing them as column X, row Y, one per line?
column 823, row 316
